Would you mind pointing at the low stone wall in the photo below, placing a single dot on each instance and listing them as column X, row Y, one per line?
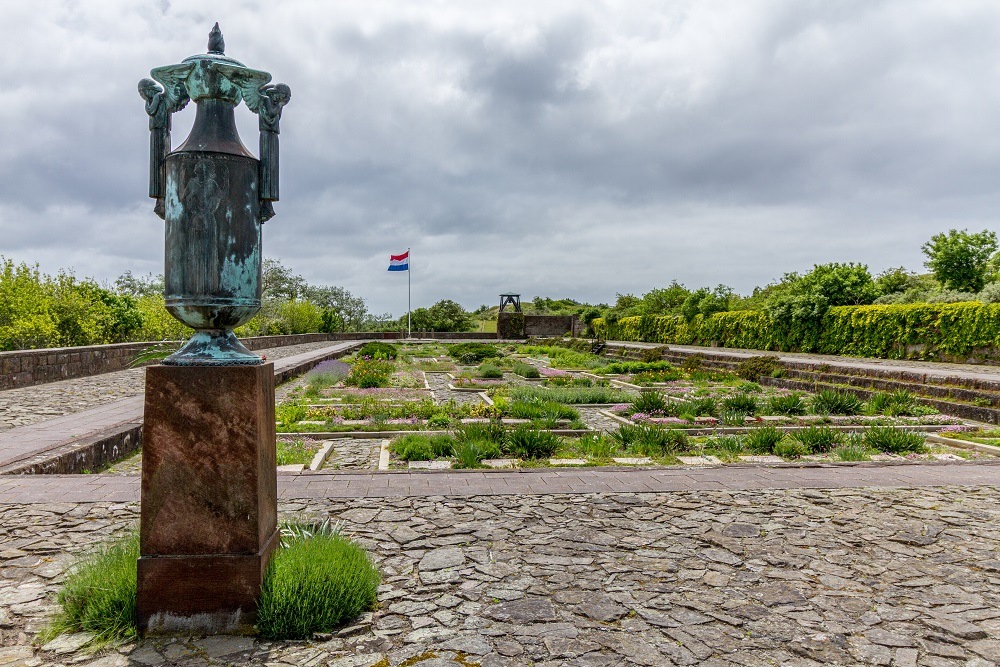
column 550, row 325
column 24, row 368
column 518, row 325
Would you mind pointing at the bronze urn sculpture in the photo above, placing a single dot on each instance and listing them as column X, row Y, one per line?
column 213, row 195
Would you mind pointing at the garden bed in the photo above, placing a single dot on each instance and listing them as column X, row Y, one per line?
column 650, row 413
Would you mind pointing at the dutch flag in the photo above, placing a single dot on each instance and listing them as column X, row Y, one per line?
column 400, row 262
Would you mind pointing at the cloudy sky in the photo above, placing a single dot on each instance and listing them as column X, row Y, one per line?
column 559, row 148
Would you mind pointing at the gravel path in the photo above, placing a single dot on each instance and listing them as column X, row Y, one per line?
column 723, row 578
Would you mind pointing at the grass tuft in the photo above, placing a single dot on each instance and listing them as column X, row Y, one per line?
column 99, row 595
column 317, row 582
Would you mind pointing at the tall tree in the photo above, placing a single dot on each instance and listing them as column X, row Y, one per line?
column 960, row 260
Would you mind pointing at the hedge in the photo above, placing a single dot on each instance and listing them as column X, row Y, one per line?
column 922, row 330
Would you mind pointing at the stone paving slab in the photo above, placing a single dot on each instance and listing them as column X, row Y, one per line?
column 333, row 484
column 725, row 578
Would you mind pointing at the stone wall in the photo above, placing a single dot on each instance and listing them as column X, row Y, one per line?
column 550, row 325
column 24, row 368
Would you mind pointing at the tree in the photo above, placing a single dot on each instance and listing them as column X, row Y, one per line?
column 664, row 300
column 347, row 311
column 960, row 260
column 149, row 285
column 706, row 302
column 445, row 315
column 894, row 281
column 278, row 281
column 797, row 304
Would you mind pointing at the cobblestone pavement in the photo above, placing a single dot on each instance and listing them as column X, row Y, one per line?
column 438, row 382
column 773, row 577
column 31, row 405
column 354, row 454
column 593, row 418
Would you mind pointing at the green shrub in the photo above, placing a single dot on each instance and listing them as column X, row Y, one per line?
column 596, row 446
column 729, row 446
column 473, row 353
column 650, row 403
column 653, row 354
column 853, row 449
column 289, row 414
column 754, row 368
column 439, row 420
column 626, row 435
column 790, row 449
column 369, row 373
column 887, row 331
column 525, row 370
column 490, row 371
column 732, row 417
column 526, row 442
column 419, row 447
column 833, row 402
column 895, row 404
column 314, row 584
column 647, row 440
column 697, row 407
column 561, row 357
column 98, row 595
column 744, row 404
column 378, row 350
column 818, row 439
column 651, row 377
column 538, row 409
column 572, row 395
column 657, row 441
column 893, row 440
column 789, row 404
column 296, row 451
column 470, row 453
column 629, row 367
column 748, row 387
column 492, row 431
column 762, row 440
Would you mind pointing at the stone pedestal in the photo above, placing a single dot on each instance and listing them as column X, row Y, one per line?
column 209, row 497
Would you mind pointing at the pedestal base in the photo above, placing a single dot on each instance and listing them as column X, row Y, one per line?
column 201, row 594
column 209, row 497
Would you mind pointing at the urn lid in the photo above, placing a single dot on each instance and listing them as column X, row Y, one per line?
column 214, row 75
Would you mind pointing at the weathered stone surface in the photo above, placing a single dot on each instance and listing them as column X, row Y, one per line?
column 528, row 610
column 471, row 644
column 884, row 638
column 603, row 608
column 15, row 654
column 741, row 530
column 955, row 626
column 440, row 559
column 817, row 585
column 222, row 645
column 68, row 643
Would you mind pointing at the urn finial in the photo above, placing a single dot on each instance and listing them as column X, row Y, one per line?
column 215, row 42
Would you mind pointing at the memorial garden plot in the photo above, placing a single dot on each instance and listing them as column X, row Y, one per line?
column 476, row 405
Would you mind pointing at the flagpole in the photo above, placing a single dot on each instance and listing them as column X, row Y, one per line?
column 408, row 269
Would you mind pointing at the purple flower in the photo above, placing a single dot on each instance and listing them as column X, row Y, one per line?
column 958, row 428
column 552, row 372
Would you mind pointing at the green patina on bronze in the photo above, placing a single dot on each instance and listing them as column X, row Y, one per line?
column 213, row 195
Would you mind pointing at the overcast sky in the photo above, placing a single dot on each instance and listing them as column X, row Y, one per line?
column 566, row 149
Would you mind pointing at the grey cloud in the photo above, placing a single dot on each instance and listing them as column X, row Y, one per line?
column 552, row 148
